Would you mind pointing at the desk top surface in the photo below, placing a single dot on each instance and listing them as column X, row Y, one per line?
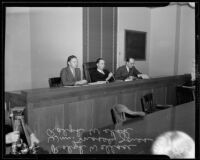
column 116, row 83
column 46, row 94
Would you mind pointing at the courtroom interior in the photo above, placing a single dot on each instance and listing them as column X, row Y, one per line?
column 99, row 80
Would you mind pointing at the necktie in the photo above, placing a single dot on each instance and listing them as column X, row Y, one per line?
column 128, row 70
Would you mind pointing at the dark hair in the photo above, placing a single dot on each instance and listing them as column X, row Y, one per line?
column 128, row 59
column 70, row 57
column 97, row 61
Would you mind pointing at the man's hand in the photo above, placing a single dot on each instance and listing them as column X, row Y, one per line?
column 109, row 76
column 141, row 113
column 143, row 76
column 12, row 137
column 81, row 82
column 34, row 140
column 130, row 78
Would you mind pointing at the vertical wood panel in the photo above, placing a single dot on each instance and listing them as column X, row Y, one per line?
column 139, row 94
column 85, row 33
column 99, row 35
column 47, row 117
column 101, row 111
column 115, row 38
column 94, row 33
column 171, row 95
column 128, row 99
column 107, row 36
column 78, row 115
column 159, row 95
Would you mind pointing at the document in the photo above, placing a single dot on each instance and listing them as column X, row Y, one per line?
column 144, row 76
column 98, row 82
column 71, row 86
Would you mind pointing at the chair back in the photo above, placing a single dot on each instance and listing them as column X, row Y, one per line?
column 55, row 82
column 118, row 114
column 87, row 69
column 147, row 103
column 184, row 94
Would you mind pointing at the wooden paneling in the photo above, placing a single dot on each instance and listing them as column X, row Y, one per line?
column 89, row 106
column 41, row 119
column 99, row 35
column 138, row 100
column 159, row 95
column 171, row 95
column 85, row 33
column 78, row 114
column 94, row 33
column 115, row 38
column 101, row 110
column 128, row 99
column 107, row 36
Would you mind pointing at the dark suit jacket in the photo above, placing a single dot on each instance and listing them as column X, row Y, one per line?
column 67, row 77
column 122, row 73
column 98, row 76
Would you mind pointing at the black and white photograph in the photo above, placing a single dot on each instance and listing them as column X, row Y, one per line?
column 100, row 80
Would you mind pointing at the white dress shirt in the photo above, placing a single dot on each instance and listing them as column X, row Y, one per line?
column 100, row 71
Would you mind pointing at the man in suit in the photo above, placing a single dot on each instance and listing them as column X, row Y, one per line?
column 71, row 75
column 128, row 71
column 101, row 74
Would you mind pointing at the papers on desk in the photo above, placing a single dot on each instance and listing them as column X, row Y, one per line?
column 71, row 86
column 88, row 84
column 126, row 80
column 143, row 76
column 98, row 82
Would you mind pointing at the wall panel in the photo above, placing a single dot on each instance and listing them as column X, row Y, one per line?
column 99, row 35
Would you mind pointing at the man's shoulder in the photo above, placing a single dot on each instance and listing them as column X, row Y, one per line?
column 121, row 67
column 65, row 68
column 133, row 68
column 94, row 71
column 106, row 71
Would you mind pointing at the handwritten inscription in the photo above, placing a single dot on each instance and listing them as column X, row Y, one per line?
column 81, row 141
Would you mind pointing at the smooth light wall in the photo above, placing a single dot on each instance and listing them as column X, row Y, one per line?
column 138, row 19
column 162, row 41
column 39, row 40
column 187, row 40
column 56, row 33
column 17, row 50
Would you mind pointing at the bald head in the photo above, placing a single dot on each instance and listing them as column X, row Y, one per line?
column 130, row 62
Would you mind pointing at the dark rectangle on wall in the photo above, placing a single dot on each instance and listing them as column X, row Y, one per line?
column 94, row 33
column 107, row 36
column 135, row 44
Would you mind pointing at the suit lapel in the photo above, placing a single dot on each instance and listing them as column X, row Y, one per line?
column 71, row 74
column 125, row 70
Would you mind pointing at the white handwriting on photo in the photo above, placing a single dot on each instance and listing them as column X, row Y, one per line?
column 107, row 139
